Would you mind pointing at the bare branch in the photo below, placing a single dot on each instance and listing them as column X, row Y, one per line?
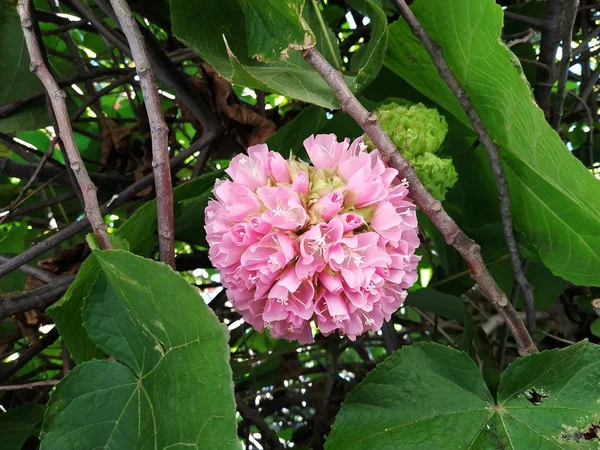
column 158, row 130
column 57, row 98
column 253, row 416
column 115, row 202
column 39, row 298
column 453, row 235
column 490, row 147
column 40, row 274
column 548, row 46
column 563, row 69
column 35, row 384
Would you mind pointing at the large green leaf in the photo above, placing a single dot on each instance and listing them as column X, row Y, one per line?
column 224, row 43
column 556, row 201
column 18, row 424
column 16, row 80
column 428, row 396
column 171, row 384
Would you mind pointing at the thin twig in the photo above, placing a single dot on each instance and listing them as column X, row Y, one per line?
column 35, row 384
column 529, row 20
column 11, row 168
column 529, row 36
column 453, row 235
column 585, row 43
column 158, row 130
column 563, row 67
column 40, row 274
column 28, row 354
column 514, row 296
column 490, row 147
column 115, row 202
column 97, row 74
column 590, row 142
column 325, row 29
column 39, row 298
column 57, row 98
column 251, row 415
column 432, row 322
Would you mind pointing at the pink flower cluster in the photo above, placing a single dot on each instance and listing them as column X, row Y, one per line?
column 333, row 242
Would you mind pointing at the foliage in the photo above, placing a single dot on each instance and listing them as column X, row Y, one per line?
column 115, row 350
column 168, row 365
column 420, row 393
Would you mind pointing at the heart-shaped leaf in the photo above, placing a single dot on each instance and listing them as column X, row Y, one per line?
column 429, row 396
column 171, row 384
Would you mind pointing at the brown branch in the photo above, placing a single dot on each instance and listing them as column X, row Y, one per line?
column 548, row 45
column 490, row 147
column 540, row 24
column 98, row 74
column 11, row 168
column 39, row 298
column 563, row 69
column 251, row 415
column 453, row 235
column 40, row 274
column 159, row 132
column 57, row 98
column 35, row 384
column 28, row 354
column 115, row 202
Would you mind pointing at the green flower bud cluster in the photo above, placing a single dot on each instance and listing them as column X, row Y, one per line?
column 418, row 133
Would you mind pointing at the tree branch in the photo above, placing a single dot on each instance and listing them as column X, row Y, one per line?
column 39, row 298
column 251, row 415
column 548, row 45
column 115, row 202
column 158, row 130
column 453, row 235
column 563, row 69
column 57, row 98
column 40, row 274
column 490, row 147
column 10, row 168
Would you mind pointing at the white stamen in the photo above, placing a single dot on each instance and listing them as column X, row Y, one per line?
column 273, row 260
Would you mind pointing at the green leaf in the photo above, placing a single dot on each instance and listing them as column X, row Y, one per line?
column 429, row 396
column 546, row 287
column 595, row 328
column 289, row 138
column 18, row 424
column 67, row 314
column 140, row 230
column 416, row 399
column 444, row 305
column 12, row 237
column 16, row 80
column 272, row 27
column 223, row 43
column 170, row 385
column 556, row 201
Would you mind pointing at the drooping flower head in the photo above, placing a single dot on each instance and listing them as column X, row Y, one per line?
column 330, row 243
